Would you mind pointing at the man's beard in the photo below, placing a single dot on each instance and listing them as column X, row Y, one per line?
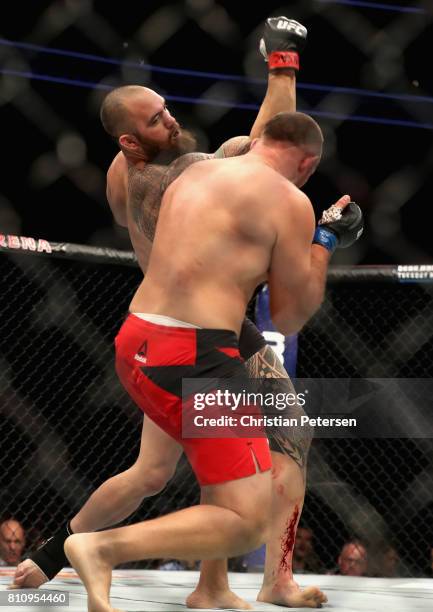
column 184, row 142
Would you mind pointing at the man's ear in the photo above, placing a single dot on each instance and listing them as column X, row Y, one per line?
column 309, row 164
column 253, row 143
column 132, row 148
column 129, row 144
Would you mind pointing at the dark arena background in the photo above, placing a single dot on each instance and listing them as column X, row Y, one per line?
column 66, row 425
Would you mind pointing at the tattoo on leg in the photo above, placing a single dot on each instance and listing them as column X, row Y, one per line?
column 265, row 364
column 293, row 441
column 295, row 449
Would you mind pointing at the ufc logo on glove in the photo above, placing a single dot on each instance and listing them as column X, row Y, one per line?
column 283, row 40
column 291, row 26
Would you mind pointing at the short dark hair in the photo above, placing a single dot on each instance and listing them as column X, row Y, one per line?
column 298, row 129
column 357, row 542
column 114, row 114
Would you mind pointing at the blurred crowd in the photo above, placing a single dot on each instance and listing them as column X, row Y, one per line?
column 355, row 557
column 12, row 542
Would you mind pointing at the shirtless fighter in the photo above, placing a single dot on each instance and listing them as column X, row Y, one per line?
column 224, row 227
column 146, row 132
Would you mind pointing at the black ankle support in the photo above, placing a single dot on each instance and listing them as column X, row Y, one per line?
column 50, row 556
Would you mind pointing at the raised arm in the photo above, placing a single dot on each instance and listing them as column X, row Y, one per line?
column 283, row 40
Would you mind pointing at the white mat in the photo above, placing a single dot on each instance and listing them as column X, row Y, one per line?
column 151, row 591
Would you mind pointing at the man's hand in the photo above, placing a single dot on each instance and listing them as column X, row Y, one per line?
column 283, row 40
column 28, row 575
column 340, row 226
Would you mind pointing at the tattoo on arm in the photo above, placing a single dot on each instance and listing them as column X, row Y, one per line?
column 145, row 197
column 238, row 145
column 293, row 441
column 179, row 165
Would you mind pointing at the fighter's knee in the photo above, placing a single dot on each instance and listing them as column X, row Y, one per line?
column 260, row 527
column 256, row 523
column 151, row 480
column 256, row 530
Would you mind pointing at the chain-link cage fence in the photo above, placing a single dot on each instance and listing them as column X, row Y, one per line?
column 378, row 490
column 66, row 424
column 61, row 57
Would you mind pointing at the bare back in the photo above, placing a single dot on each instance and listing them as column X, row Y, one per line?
column 216, row 230
column 146, row 186
column 134, row 192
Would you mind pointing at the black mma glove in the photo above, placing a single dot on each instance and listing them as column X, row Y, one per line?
column 283, row 40
column 339, row 227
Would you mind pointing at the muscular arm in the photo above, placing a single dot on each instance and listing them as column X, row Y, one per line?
column 297, row 274
column 280, row 96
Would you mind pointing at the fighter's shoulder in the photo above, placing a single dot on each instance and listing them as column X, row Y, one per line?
column 296, row 196
column 117, row 175
column 182, row 163
column 288, row 199
column 265, row 176
column 118, row 166
column 297, row 208
column 117, row 188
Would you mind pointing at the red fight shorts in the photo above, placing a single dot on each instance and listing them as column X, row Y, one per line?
column 151, row 361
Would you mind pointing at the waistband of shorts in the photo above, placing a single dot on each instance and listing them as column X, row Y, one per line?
column 163, row 320
column 139, row 323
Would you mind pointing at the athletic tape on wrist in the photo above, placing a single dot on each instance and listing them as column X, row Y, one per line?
column 325, row 238
column 50, row 556
column 283, row 59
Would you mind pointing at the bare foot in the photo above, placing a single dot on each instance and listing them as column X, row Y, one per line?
column 86, row 557
column 28, row 575
column 218, row 599
column 292, row 596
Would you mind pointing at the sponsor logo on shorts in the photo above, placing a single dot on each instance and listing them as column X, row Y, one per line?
column 140, row 355
column 139, row 358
